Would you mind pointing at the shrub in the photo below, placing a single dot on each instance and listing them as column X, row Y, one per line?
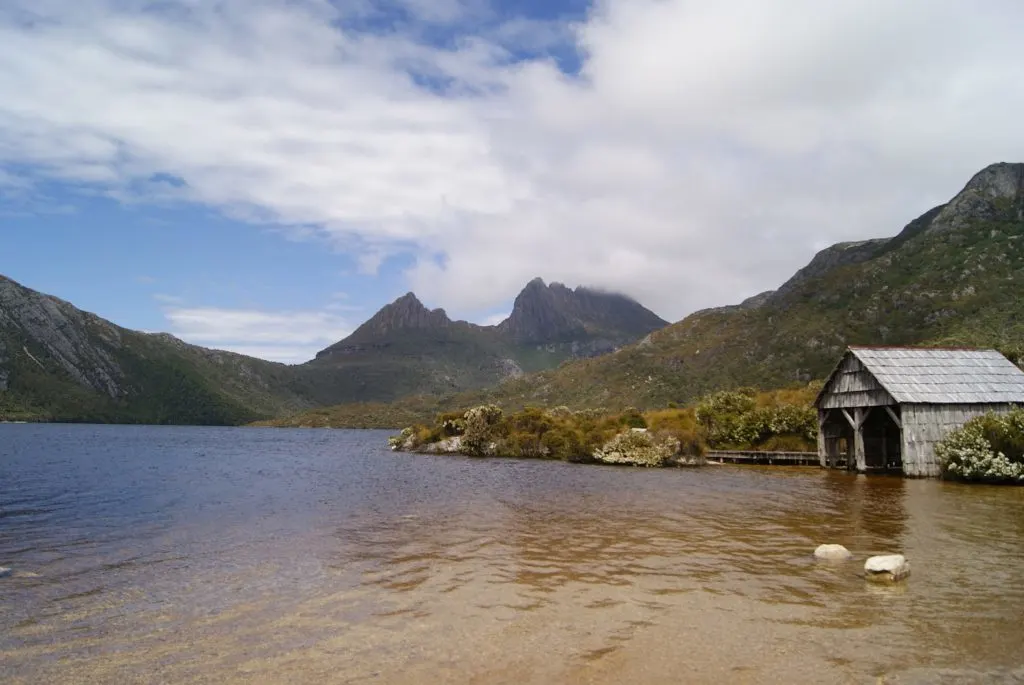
column 638, row 448
column 744, row 419
column 482, row 429
column 788, row 443
column 564, row 442
column 632, row 418
column 975, row 452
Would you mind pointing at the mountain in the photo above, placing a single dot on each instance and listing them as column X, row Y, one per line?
column 594, row 321
column 951, row 277
column 407, row 349
column 60, row 363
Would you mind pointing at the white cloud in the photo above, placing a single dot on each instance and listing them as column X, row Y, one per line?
column 702, row 154
column 290, row 337
column 493, row 319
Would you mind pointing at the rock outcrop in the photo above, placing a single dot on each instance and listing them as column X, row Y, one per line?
column 61, row 333
column 997, row 191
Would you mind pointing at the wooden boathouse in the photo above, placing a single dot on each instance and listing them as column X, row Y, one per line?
column 885, row 408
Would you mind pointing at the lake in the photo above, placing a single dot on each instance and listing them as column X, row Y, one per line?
column 220, row 555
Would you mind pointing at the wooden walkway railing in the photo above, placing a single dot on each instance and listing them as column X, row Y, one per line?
column 777, row 458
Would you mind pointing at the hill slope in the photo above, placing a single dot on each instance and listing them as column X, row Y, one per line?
column 60, row 363
column 951, row 277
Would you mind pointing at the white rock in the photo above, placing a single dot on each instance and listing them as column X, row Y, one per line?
column 887, row 567
column 832, row 553
column 4, row 571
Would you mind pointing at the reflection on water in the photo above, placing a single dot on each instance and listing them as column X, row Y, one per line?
column 222, row 555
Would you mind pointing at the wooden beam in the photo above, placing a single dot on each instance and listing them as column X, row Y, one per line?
column 863, row 416
column 849, row 419
column 895, row 418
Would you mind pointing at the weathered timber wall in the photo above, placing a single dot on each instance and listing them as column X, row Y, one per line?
column 854, row 386
column 924, row 425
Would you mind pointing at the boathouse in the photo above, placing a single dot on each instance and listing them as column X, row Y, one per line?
column 885, row 408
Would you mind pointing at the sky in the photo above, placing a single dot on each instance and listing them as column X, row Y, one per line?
column 263, row 175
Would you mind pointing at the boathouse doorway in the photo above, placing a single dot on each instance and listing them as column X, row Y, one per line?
column 883, row 440
column 838, row 436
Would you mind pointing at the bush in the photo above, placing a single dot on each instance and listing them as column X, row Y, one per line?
column 988, row 449
column 632, row 418
column 744, row 419
column 638, row 448
column 565, row 443
column 788, row 443
column 482, row 429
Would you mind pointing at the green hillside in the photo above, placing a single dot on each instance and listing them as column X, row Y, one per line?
column 951, row 277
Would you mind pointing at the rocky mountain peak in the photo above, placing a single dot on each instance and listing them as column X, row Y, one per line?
column 540, row 313
column 405, row 312
column 1003, row 179
column 556, row 313
column 995, row 192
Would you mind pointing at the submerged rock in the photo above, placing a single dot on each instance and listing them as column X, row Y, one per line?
column 832, row 553
column 4, row 571
column 888, row 567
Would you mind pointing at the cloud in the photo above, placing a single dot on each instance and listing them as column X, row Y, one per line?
column 289, row 337
column 701, row 154
column 493, row 319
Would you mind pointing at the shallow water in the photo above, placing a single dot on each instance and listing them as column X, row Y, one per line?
column 200, row 555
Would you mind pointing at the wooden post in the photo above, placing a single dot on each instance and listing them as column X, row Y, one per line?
column 859, row 416
column 823, row 456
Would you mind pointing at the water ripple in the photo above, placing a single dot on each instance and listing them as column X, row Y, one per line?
column 201, row 555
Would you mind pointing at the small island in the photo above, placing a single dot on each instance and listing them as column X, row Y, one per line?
column 743, row 419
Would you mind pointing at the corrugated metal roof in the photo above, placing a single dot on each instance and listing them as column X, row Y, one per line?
column 944, row 376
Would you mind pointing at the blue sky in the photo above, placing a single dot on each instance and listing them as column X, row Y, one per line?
column 262, row 175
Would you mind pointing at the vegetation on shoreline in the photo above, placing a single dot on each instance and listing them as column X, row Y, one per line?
column 988, row 449
column 738, row 419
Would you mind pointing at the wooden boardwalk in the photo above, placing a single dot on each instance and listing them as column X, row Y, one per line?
column 774, row 458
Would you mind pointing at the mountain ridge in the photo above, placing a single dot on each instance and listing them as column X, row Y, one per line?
column 950, row 277
column 58, row 362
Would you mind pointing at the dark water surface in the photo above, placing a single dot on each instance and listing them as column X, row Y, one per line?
column 201, row 555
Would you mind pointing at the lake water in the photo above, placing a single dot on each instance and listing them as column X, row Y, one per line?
column 206, row 555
